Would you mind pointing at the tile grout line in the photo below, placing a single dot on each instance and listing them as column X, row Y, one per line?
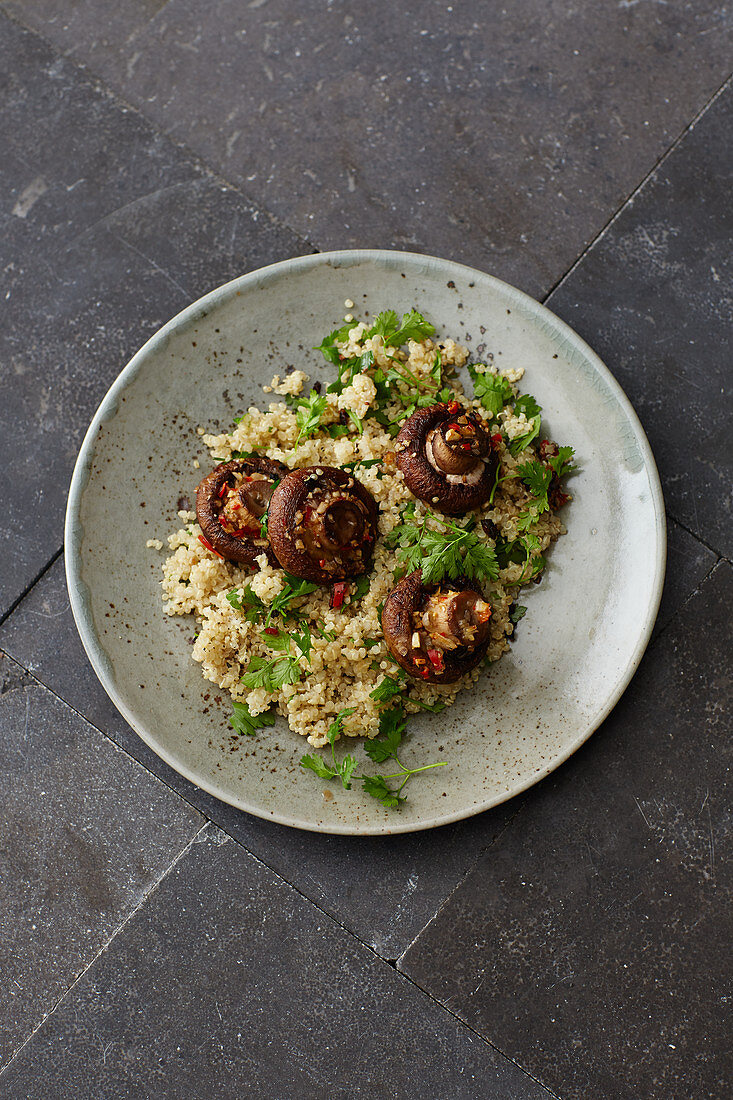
column 259, row 860
column 216, row 174
column 30, row 586
column 106, row 945
column 197, row 160
column 631, row 197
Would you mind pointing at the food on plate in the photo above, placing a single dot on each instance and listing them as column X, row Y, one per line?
column 448, row 457
column 436, row 632
column 322, row 524
column 361, row 545
column 230, row 504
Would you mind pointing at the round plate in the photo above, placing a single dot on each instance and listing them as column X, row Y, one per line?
column 587, row 624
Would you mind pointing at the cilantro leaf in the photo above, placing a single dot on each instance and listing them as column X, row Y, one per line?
column 377, row 787
column 391, row 728
column 561, row 462
column 246, row 600
column 517, row 613
column 271, row 675
column 413, row 327
column 452, row 551
column 537, row 477
column 492, row 390
column 308, row 415
column 245, row 722
column 318, row 765
column 387, row 688
column 362, row 585
column 526, row 404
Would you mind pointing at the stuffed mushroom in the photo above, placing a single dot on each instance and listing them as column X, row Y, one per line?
column 437, row 633
column 322, row 524
column 230, row 504
column 446, row 455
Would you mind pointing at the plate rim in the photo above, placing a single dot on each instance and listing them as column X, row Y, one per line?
column 107, row 410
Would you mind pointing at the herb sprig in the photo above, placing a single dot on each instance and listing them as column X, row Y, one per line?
column 245, row 722
column 380, row 749
column 451, row 551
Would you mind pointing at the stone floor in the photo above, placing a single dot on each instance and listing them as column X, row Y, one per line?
column 573, row 943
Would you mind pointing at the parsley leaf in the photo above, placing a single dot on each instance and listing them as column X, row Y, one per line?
column 451, row 552
column 561, row 462
column 537, row 477
column 517, row 613
column 244, row 722
column 388, row 688
column 308, row 416
column 526, row 404
column 391, row 728
column 246, row 600
column 413, row 327
column 377, row 787
column 362, row 585
column 492, row 390
column 343, row 769
column 271, row 675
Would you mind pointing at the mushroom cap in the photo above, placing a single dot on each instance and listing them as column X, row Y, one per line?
column 409, row 596
column 209, row 505
column 447, row 493
column 293, row 517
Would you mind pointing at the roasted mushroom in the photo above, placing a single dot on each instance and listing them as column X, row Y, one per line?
column 230, row 503
column 445, row 453
column 439, row 632
column 322, row 524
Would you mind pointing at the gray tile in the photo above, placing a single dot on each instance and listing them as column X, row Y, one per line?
column 384, row 890
column 592, row 946
column 688, row 563
column 227, row 983
column 503, row 136
column 654, row 298
column 85, row 834
column 108, row 231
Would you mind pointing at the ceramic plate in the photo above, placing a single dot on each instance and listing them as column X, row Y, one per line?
column 586, row 626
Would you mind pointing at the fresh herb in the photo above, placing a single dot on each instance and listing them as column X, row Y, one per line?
column 518, row 612
column 365, row 462
column 245, row 722
column 361, row 587
column 384, row 747
column 308, row 415
column 451, row 552
column 273, row 674
column 526, row 404
column 562, row 463
column 356, row 421
column 337, row 431
column 413, row 327
column 240, row 454
column 369, row 643
column 492, row 390
column 293, row 589
column 246, row 600
column 537, row 477
column 519, row 552
column 328, row 635
column 343, row 769
column 388, row 688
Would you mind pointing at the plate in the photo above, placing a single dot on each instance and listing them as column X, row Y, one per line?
column 587, row 624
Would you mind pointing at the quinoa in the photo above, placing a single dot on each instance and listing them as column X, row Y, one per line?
column 349, row 658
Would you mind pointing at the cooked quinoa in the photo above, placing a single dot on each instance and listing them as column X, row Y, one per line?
column 349, row 658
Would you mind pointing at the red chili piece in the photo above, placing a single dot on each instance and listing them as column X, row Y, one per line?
column 337, row 595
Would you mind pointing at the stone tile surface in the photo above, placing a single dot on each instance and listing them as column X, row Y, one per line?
column 654, row 297
column 384, row 891
column 85, row 833
column 501, row 135
column 108, row 231
column 227, row 983
column 591, row 945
